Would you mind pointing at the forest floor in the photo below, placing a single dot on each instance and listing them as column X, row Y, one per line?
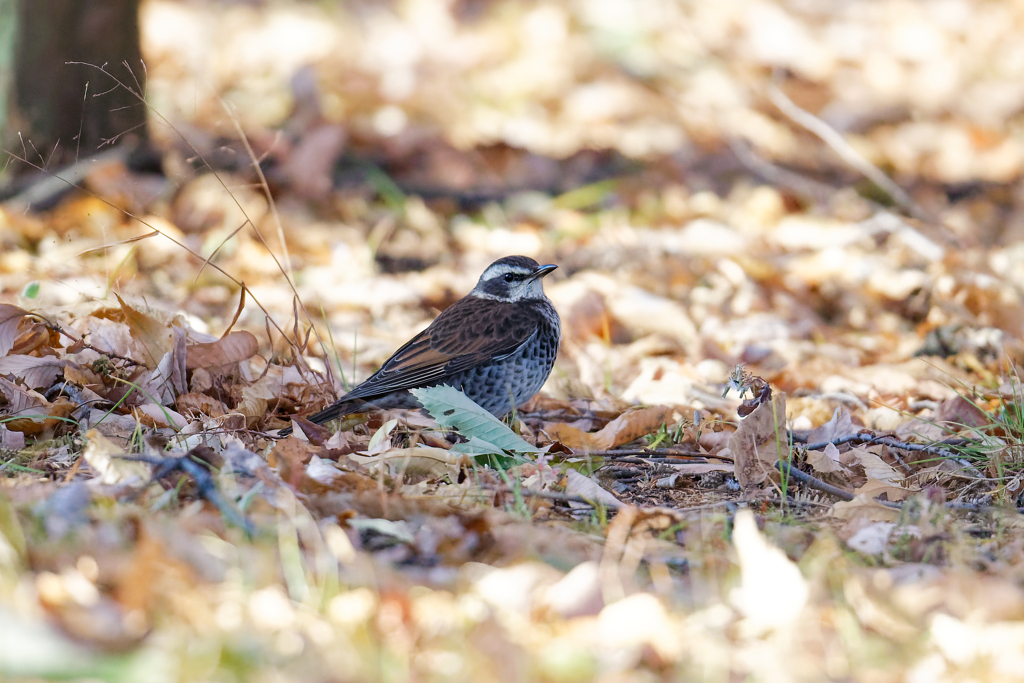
column 784, row 436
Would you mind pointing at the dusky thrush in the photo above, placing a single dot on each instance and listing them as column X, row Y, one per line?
column 497, row 344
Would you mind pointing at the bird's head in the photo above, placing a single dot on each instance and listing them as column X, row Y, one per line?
column 513, row 278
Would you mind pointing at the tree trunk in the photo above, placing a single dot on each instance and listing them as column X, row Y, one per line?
column 65, row 107
column 8, row 29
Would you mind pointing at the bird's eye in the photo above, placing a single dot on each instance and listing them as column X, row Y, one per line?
column 510, row 277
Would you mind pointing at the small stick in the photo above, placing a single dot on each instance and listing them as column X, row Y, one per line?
column 846, row 152
column 867, row 437
column 813, row 482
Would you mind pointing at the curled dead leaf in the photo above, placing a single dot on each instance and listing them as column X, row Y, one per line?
column 153, row 415
column 231, row 348
column 154, row 337
column 760, row 441
column 628, row 426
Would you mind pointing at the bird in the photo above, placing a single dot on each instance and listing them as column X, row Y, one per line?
column 497, row 345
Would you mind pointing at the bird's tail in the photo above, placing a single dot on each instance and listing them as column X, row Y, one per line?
column 331, row 412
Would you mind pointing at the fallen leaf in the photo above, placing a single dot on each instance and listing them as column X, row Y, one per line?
column 153, row 415
column 418, row 461
column 825, row 461
column 628, row 426
column 585, row 487
column 958, row 411
column 200, row 404
column 772, row 591
column 254, row 398
column 155, row 338
column 874, row 488
column 863, row 507
column 10, row 320
column 11, row 440
column 760, row 441
column 452, row 408
column 232, row 348
column 107, row 459
column 872, row 539
column 839, row 426
column 36, row 372
column 874, row 466
column 29, row 412
column 289, row 456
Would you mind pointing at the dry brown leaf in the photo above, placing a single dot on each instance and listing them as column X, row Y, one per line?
column 760, row 441
column 839, row 426
column 10, row 322
column 569, row 436
column 167, row 380
column 105, row 335
column 155, row 338
column 917, row 429
column 232, row 348
column 961, row 412
column 714, row 442
column 874, row 466
column 153, row 415
column 290, row 456
column 20, row 399
column 195, row 403
column 107, row 459
column 37, row 337
column 585, row 487
column 11, row 440
column 36, row 372
column 83, row 377
column 863, row 507
column 418, row 461
column 825, row 461
column 874, row 488
column 32, row 412
column 627, row 427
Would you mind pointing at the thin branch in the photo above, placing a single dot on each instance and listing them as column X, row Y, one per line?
column 869, row 438
column 846, row 152
column 813, row 482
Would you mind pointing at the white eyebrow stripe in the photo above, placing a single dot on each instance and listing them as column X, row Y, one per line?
column 497, row 270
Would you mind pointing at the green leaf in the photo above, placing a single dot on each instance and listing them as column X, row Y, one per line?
column 451, row 408
column 31, row 290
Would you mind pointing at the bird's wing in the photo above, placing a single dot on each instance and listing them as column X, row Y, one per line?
column 469, row 333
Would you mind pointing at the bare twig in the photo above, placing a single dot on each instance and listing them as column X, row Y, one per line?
column 869, row 438
column 648, row 453
column 109, row 354
column 846, row 152
column 813, row 482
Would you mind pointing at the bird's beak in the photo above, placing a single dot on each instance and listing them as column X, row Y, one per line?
column 542, row 271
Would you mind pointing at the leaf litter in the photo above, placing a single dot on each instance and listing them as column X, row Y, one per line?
column 653, row 512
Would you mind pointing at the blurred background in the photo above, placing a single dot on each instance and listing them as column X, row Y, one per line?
column 826, row 192
column 789, row 184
